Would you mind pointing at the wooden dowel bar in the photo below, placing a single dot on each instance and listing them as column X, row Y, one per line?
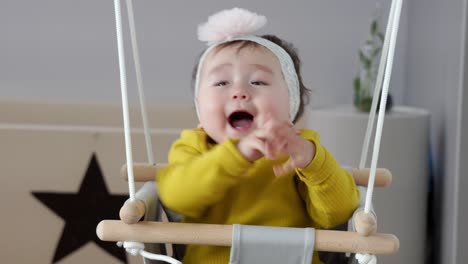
column 164, row 232
column 132, row 211
column 383, row 177
column 352, row 242
column 147, row 172
column 142, row 172
column 221, row 235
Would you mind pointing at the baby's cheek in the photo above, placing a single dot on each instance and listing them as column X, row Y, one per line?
column 212, row 103
column 278, row 110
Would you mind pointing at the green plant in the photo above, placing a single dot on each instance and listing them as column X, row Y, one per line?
column 369, row 55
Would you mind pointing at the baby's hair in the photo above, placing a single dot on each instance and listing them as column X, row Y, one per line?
column 288, row 47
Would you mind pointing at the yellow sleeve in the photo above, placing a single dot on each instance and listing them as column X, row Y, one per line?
column 329, row 191
column 196, row 176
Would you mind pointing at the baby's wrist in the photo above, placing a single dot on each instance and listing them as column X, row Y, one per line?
column 309, row 154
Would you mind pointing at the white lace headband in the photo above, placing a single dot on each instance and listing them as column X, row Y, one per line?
column 239, row 24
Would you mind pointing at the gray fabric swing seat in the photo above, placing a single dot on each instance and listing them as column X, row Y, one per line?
column 273, row 245
column 250, row 244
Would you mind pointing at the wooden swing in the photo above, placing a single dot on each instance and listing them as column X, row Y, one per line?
column 221, row 235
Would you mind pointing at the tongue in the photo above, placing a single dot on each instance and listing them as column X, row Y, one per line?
column 242, row 123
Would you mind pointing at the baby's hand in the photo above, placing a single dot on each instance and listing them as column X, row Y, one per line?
column 282, row 138
column 252, row 147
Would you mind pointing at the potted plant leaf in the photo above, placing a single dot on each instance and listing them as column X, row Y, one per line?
column 369, row 58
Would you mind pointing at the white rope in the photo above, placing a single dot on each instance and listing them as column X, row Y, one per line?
column 366, row 259
column 136, row 60
column 134, row 248
column 144, row 116
column 384, row 73
column 137, row 248
column 123, row 86
column 383, row 103
column 378, row 88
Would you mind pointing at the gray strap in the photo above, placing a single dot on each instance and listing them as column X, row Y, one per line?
column 147, row 194
column 271, row 245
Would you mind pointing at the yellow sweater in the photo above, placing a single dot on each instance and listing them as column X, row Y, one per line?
column 214, row 184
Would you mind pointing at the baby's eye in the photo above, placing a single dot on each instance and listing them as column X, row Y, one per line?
column 221, row 83
column 259, row 83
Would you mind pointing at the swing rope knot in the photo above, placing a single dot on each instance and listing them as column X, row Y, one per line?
column 366, row 259
column 131, row 247
column 138, row 248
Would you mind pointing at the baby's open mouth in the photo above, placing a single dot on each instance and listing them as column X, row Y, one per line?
column 241, row 120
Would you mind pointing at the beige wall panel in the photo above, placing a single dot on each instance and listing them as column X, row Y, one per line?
column 47, row 148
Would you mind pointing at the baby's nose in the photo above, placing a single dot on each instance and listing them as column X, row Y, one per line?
column 241, row 94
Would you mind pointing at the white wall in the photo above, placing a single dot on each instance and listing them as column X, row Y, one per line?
column 434, row 81
column 461, row 195
column 66, row 50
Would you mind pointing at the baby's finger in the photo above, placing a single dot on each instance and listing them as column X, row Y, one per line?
column 284, row 168
column 251, row 148
column 260, row 133
column 282, row 147
column 258, row 145
column 276, row 147
column 286, row 130
column 275, row 136
column 269, row 151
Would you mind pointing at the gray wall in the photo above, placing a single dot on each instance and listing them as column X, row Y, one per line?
column 434, row 81
column 66, row 50
column 461, row 195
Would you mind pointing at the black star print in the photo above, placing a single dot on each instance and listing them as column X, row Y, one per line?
column 82, row 212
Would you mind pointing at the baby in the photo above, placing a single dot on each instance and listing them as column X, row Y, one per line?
column 247, row 163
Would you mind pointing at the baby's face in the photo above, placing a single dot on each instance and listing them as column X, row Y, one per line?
column 239, row 90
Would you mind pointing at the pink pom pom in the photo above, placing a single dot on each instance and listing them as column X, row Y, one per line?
column 228, row 24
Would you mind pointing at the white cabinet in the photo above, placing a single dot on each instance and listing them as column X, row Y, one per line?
column 401, row 208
